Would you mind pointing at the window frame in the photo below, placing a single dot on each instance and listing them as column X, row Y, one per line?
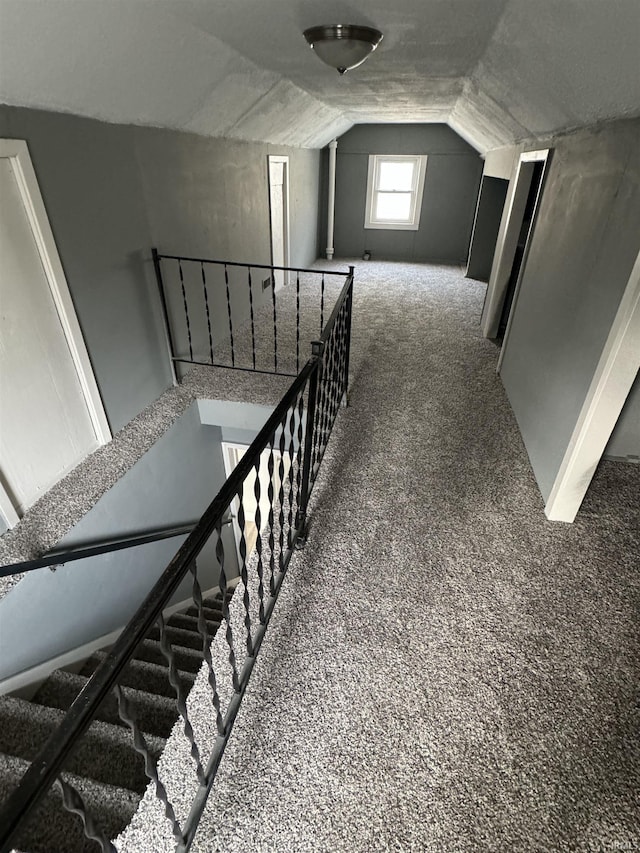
column 412, row 223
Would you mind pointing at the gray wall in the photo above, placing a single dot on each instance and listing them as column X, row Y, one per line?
column 584, row 245
column 49, row 613
column 625, row 438
column 209, row 198
column 450, row 192
column 90, row 182
column 113, row 191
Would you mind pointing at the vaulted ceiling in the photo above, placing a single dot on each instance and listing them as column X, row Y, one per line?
column 497, row 71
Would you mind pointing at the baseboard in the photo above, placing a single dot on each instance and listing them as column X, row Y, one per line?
column 26, row 683
column 631, row 460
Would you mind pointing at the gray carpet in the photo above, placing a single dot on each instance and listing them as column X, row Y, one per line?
column 446, row 670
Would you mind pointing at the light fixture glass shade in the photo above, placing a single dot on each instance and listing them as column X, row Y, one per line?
column 343, row 46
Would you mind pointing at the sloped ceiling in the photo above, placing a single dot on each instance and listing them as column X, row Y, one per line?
column 497, row 71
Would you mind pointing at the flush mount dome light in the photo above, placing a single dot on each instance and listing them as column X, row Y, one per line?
column 343, row 46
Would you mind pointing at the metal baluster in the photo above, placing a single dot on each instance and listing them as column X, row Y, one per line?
column 258, row 522
column 297, row 321
column 174, row 679
column 322, row 305
column 281, row 447
column 73, row 803
column 186, row 309
column 326, row 428
column 325, row 400
column 299, row 453
column 337, row 370
column 309, row 438
column 242, row 522
column 291, row 451
column 348, row 341
column 225, row 609
column 335, row 376
column 275, row 322
column 253, row 329
column 127, row 715
column 226, row 282
column 320, row 350
column 206, row 647
column 345, row 353
column 206, row 303
column 272, row 541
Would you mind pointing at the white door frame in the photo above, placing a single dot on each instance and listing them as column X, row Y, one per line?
column 508, row 242
column 17, row 151
column 284, row 159
column 615, row 374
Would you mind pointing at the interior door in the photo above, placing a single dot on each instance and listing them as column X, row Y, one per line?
column 46, row 426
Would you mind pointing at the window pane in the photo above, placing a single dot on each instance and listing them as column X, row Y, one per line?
column 395, row 176
column 393, row 206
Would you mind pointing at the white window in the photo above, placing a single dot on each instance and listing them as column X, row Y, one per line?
column 394, row 191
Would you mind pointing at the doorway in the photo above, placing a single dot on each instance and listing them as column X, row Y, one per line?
column 279, row 217
column 535, row 169
column 523, row 202
column 51, row 414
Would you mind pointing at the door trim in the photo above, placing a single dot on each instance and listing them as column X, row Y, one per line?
column 281, row 158
column 507, row 242
column 17, row 151
column 610, row 386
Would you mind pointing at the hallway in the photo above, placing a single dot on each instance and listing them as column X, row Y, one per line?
column 445, row 670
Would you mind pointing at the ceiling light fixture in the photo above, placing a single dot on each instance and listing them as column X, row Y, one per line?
column 343, row 46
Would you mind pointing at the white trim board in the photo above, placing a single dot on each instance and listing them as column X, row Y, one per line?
column 8, row 513
column 507, row 241
column 610, row 386
column 282, row 278
column 18, row 152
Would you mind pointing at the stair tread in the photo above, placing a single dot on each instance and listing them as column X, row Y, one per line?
column 186, row 659
column 210, row 613
column 185, row 622
column 144, row 675
column 105, row 752
column 53, row 829
column 187, row 638
column 155, row 714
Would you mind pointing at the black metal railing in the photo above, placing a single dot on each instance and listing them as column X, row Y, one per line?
column 208, row 303
column 56, row 558
column 279, row 471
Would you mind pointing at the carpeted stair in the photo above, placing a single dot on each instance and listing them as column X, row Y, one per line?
column 104, row 768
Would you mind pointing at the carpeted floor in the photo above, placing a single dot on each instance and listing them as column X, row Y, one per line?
column 446, row 670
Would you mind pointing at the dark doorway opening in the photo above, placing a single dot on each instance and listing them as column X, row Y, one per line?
column 531, row 205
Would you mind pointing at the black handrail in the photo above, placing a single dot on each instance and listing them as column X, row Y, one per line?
column 323, row 382
column 93, row 549
column 195, row 337
column 245, row 265
column 47, row 765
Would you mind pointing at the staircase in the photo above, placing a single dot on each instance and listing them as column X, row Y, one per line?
column 105, row 769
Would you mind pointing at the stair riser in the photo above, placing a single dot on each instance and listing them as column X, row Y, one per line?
column 155, row 714
column 54, row 830
column 187, row 660
column 104, row 753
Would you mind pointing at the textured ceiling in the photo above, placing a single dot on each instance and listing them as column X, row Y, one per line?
column 496, row 70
